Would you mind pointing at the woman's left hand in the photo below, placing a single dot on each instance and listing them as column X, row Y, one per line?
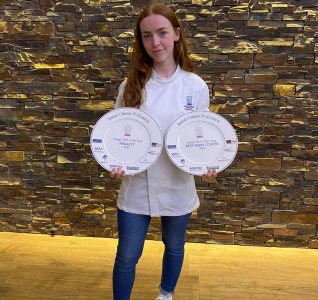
column 209, row 174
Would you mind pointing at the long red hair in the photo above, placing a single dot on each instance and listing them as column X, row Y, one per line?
column 142, row 63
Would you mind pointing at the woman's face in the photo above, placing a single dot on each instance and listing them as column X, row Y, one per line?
column 158, row 37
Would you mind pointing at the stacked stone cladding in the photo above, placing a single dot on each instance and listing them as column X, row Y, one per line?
column 61, row 63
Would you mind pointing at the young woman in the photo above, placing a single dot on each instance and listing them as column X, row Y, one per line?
column 161, row 83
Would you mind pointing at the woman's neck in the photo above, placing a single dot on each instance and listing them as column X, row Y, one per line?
column 165, row 71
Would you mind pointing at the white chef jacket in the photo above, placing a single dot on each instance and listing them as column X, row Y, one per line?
column 163, row 189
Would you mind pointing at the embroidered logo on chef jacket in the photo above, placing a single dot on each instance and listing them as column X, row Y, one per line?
column 189, row 105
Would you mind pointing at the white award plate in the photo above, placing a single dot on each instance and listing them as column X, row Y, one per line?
column 126, row 138
column 200, row 141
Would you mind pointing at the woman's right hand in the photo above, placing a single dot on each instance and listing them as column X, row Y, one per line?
column 117, row 173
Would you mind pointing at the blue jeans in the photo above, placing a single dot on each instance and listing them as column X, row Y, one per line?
column 132, row 231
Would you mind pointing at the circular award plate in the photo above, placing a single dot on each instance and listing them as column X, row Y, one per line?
column 200, row 141
column 126, row 138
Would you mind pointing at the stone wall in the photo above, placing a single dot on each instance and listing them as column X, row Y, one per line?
column 60, row 66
